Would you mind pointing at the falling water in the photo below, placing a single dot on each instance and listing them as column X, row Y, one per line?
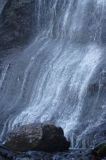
column 50, row 79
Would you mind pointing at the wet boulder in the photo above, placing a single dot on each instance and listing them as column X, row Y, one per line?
column 99, row 151
column 39, row 137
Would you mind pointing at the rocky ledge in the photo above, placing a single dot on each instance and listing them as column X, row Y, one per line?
column 38, row 137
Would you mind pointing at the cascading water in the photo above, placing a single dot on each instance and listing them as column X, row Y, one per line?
column 51, row 79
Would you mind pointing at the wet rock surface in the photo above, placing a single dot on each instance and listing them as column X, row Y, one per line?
column 40, row 137
column 72, row 154
column 16, row 23
column 6, row 154
column 99, row 85
column 100, row 151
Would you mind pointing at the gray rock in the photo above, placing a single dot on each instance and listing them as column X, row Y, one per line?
column 17, row 23
column 40, row 137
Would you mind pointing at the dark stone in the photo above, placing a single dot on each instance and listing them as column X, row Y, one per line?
column 93, row 88
column 100, row 151
column 99, row 85
column 6, row 154
column 40, row 137
column 17, row 23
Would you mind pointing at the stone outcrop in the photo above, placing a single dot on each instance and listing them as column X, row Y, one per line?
column 17, row 23
column 39, row 137
column 99, row 151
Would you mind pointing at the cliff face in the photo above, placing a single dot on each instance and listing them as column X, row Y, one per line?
column 17, row 23
column 2, row 3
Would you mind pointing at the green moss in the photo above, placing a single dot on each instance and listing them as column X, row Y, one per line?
column 100, row 150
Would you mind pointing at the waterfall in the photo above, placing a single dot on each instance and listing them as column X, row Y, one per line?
column 49, row 81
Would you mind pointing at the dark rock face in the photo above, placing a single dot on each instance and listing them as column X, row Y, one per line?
column 2, row 158
column 17, row 23
column 6, row 154
column 99, row 85
column 40, row 137
column 100, row 151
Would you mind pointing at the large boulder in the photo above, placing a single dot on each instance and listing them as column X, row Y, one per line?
column 17, row 23
column 39, row 137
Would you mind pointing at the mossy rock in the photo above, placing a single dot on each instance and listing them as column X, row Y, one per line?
column 100, row 150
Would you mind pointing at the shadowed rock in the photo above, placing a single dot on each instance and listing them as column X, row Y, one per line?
column 17, row 23
column 6, row 154
column 100, row 151
column 40, row 137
